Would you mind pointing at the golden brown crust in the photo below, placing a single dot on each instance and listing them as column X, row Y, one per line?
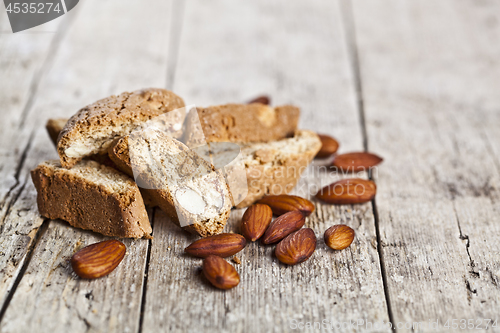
column 90, row 199
column 92, row 129
column 118, row 153
column 242, row 123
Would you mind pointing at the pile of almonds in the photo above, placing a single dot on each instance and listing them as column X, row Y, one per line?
column 294, row 243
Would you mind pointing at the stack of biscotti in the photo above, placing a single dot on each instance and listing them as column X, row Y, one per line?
column 142, row 135
column 273, row 152
column 90, row 195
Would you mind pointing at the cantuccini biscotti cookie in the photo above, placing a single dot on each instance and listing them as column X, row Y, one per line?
column 94, row 128
column 240, row 123
column 179, row 181
column 275, row 167
column 54, row 127
column 91, row 196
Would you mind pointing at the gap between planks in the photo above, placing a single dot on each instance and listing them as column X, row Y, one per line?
column 24, row 266
column 348, row 22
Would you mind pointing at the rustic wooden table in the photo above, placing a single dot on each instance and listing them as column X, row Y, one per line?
column 417, row 82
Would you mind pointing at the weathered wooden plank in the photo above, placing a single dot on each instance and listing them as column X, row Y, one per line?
column 52, row 297
column 429, row 75
column 103, row 52
column 23, row 59
column 230, row 52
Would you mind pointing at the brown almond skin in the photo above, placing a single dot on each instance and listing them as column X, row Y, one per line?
column 348, row 192
column 261, row 99
column 339, row 236
column 356, row 162
column 220, row 273
column 222, row 245
column 255, row 221
column 283, row 225
column 97, row 260
column 296, row 247
column 329, row 146
column 284, row 203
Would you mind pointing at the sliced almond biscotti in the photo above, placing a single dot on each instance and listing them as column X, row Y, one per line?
column 55, row 126
column 94, row 128
column 179, row 181
column 91, row 196
column 240, row 123
column 274, row 167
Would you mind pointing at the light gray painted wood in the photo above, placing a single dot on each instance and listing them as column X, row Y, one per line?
column 429, row 76
column 230, row 52
column 105, row 51
column 51, row 298
column 23, row 58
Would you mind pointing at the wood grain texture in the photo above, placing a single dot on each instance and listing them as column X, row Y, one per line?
column 23, row 59
column 51, row 296
column 430, row 87
column 98, row 56
column 230, row 52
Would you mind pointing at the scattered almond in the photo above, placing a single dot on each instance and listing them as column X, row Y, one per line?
column 255, row 221
column 339, row 236
column 348, row 192
column 329, row 146
column 236, row 260
column 220, row 273
column 98, row 259
column 356, row 162
column 284, row 203
column 261, row 99
column 283, row 225
column 296, row 247
column 222, row 245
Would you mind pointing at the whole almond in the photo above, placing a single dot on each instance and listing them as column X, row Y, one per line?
column 98, row 259
column 329, row 146
column 284, row 203
column 261, row 99
column 283, row 225
column 356, row 162
column 255, row 221
column 339, row 236
column 222, row 245
column 348, row 192
column 220, row 273
column 296, row 247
